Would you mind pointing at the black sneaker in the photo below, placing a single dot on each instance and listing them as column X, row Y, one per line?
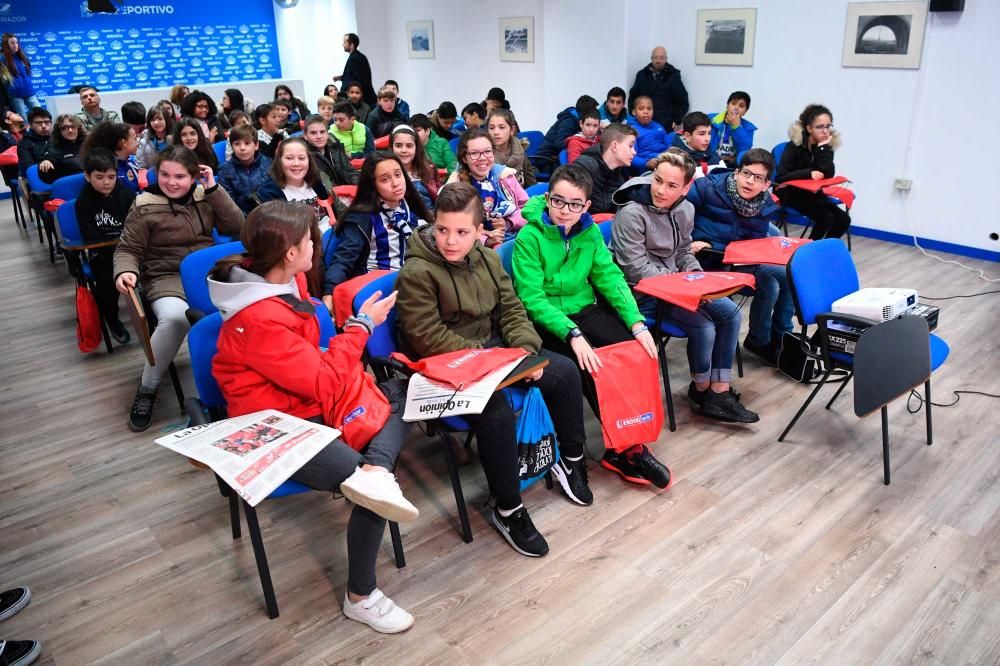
column 520, row 533
column 118, row 331
column 727, row 407
column 767, row 353
column 19, row 653
column 142, row 409
column 623, row 465
column 12, row 601
column 652, row 469
column 696, row 395
column 572, row 478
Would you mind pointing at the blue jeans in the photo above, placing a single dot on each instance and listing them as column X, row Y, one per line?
column 771, row 308
column 23, row 104
column 713, row 332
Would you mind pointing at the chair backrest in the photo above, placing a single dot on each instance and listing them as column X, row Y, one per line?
column 330, row 243
column 605, row 228
column 506, row 252
column 69, row 227
column 890, row 359
column 220, row 150
column 776, row 154
column 535, row 139
column 194, row 274
column 454, row 145
column 537, row 188
column 68, row 187
column 563, row 156
column 203, row 343
column 819, row 273
column 150, row 176
column 382, row 341
column 327, row 329
column 35, row 183
column 670, row 138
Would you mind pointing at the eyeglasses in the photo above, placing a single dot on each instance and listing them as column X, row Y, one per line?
column 477, row 154
column 823, row 128
column 67, row 127
column 41, row 122
column 750, row 175
column 574, row 206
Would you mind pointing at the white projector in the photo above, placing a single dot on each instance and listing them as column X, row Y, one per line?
column 877, row 304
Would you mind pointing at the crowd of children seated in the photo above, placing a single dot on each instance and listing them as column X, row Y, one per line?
column 435, row 215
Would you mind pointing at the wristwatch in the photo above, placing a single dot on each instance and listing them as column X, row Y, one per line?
column 574, row 332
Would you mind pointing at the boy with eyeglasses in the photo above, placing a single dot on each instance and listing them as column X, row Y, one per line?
column 737, row 205
column 561, row 263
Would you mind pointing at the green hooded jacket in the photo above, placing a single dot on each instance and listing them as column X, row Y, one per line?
column 445, row 306
column 555, row 275
column 439, row 152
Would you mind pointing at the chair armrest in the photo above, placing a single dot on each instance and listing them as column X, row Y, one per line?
column 824, row 317
column 88, row 246
column 389, row 366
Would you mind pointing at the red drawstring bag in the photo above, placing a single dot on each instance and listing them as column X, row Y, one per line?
column 463, row 367
column 687, row 290
column 775, row 250
column 344, row 293
column 828, row 186
column 628, row 391
column 88, row 321
column 359, row 411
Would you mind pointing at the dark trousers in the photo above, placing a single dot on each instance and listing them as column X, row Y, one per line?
column 829, row 221
column 331, row 466
column 495, row 428
column 105, row 293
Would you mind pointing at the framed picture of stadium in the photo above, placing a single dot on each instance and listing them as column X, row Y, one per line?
column 420, row 39
column 725, row 36
column 517, row 39
column 884, row 34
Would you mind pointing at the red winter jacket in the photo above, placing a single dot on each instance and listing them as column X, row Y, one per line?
column 576, row 144
column 269, row 357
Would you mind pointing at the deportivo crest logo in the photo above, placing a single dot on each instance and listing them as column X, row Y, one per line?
column 634, row 420
column 785, row 243
column 355, row 413
column 694, row 276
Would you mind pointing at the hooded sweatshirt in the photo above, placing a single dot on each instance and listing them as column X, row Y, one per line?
column 704, row 160
column 446, row 306
column 606, row 180
column 729, row 141
column 650, row 241
column 556, row 273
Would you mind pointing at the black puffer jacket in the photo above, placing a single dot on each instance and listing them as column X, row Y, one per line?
column 670, row 97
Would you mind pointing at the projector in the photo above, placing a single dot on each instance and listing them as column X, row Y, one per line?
column 878, row 304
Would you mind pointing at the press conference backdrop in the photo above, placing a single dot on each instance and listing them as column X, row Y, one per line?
column 146, row 44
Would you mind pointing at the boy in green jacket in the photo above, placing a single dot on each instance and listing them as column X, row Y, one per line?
column 438, row 149
column 559, row 259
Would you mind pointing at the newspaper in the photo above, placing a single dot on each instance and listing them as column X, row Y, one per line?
column 427, row 399
column 254, row 453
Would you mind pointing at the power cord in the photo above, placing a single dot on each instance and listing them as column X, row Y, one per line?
column 915, row 395
column 948, row 298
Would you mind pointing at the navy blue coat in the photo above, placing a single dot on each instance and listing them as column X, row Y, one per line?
column 241, row 180
column 566, row 125
column 716, row 220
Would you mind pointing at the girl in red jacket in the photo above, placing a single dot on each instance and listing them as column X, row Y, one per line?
column 269, row 358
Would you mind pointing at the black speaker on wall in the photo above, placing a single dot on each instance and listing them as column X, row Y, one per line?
column 947, row 5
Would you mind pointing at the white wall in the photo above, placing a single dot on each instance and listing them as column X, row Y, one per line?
column 310, row 41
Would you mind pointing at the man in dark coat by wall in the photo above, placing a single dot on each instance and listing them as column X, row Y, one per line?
column 357, row 69
column 662, row 84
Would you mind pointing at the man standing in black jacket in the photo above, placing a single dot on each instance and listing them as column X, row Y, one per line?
column 662, row 84
column 357, row 69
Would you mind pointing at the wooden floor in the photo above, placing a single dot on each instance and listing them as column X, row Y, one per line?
column 761, row 553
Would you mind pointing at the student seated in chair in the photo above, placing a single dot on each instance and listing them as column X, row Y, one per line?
column 731, row 132
column 269, row 358
column 695, row 139
column 608, row 165
column 613, row 110
column 588, row 136
column 376, row 228
column 384, row 116
column 101, row 209
column 355, row 99
column 171, row 219
column 331, row 159
column 453, row 295
column 651, row 235
column 355, row 137
column 121, row 140
column 246, row 171
column 651, row 139
column 437, row 149
column 268, row 119
column 507, row 148
column 737, row 205
column 561, row 263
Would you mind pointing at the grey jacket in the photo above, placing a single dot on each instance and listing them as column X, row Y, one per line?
column 649, row 241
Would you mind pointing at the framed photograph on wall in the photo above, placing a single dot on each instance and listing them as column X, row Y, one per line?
column 420, row 39
column 517, row 39
column 725, row 36
column 884, row 34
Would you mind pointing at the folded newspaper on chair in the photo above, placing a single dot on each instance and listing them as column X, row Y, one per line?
column 429, row 399
column 254, row 453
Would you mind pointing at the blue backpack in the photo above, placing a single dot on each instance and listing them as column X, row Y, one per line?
column 537, row 448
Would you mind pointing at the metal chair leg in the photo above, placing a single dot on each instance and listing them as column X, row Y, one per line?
column 844, row 383
column 885, row 445
column 261, row 557
column 927, row 405
column 456, row 486
column 234, row 507
column 804, row 405
column 661, row 353
column 176, row 381
column 397, row 545
column 739, row 362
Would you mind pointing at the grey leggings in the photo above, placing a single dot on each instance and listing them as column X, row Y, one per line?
column 171, row 327
column 338, row 461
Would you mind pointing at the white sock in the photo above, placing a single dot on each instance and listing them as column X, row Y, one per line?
column 573, row 459
column 506, row 513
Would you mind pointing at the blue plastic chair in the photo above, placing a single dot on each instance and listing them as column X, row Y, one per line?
column 535, row 139
column 605, row 228
column 787, row 212
column 563, row 156
column 537, row 188
column 454, row 145
column 68, row 187
column 330, row 243
column 194, row 274
column 220, row 150
column 150, row 177
column 819, row 273
column 210, row 406
column 75, row 249
column 506, row 252
column 36, row 184
column 38, row 193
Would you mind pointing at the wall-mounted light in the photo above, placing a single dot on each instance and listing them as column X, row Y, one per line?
column 286, row 4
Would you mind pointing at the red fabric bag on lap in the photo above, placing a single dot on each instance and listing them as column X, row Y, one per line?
column 463, row 367
column 359, row 411
column 828, row 186
column 344, row 293
column 775, row 250
column 687, row 290
column 88, row 321
column 628, row 392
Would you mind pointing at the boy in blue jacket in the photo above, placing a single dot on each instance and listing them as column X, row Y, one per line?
column 651, row 139
column 695, row 139
column 731, row 132
column 243, row 173
column 613, row 110
column 737, row 205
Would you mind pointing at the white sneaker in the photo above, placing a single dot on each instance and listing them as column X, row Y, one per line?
column 379, row 612
column 377, row 491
